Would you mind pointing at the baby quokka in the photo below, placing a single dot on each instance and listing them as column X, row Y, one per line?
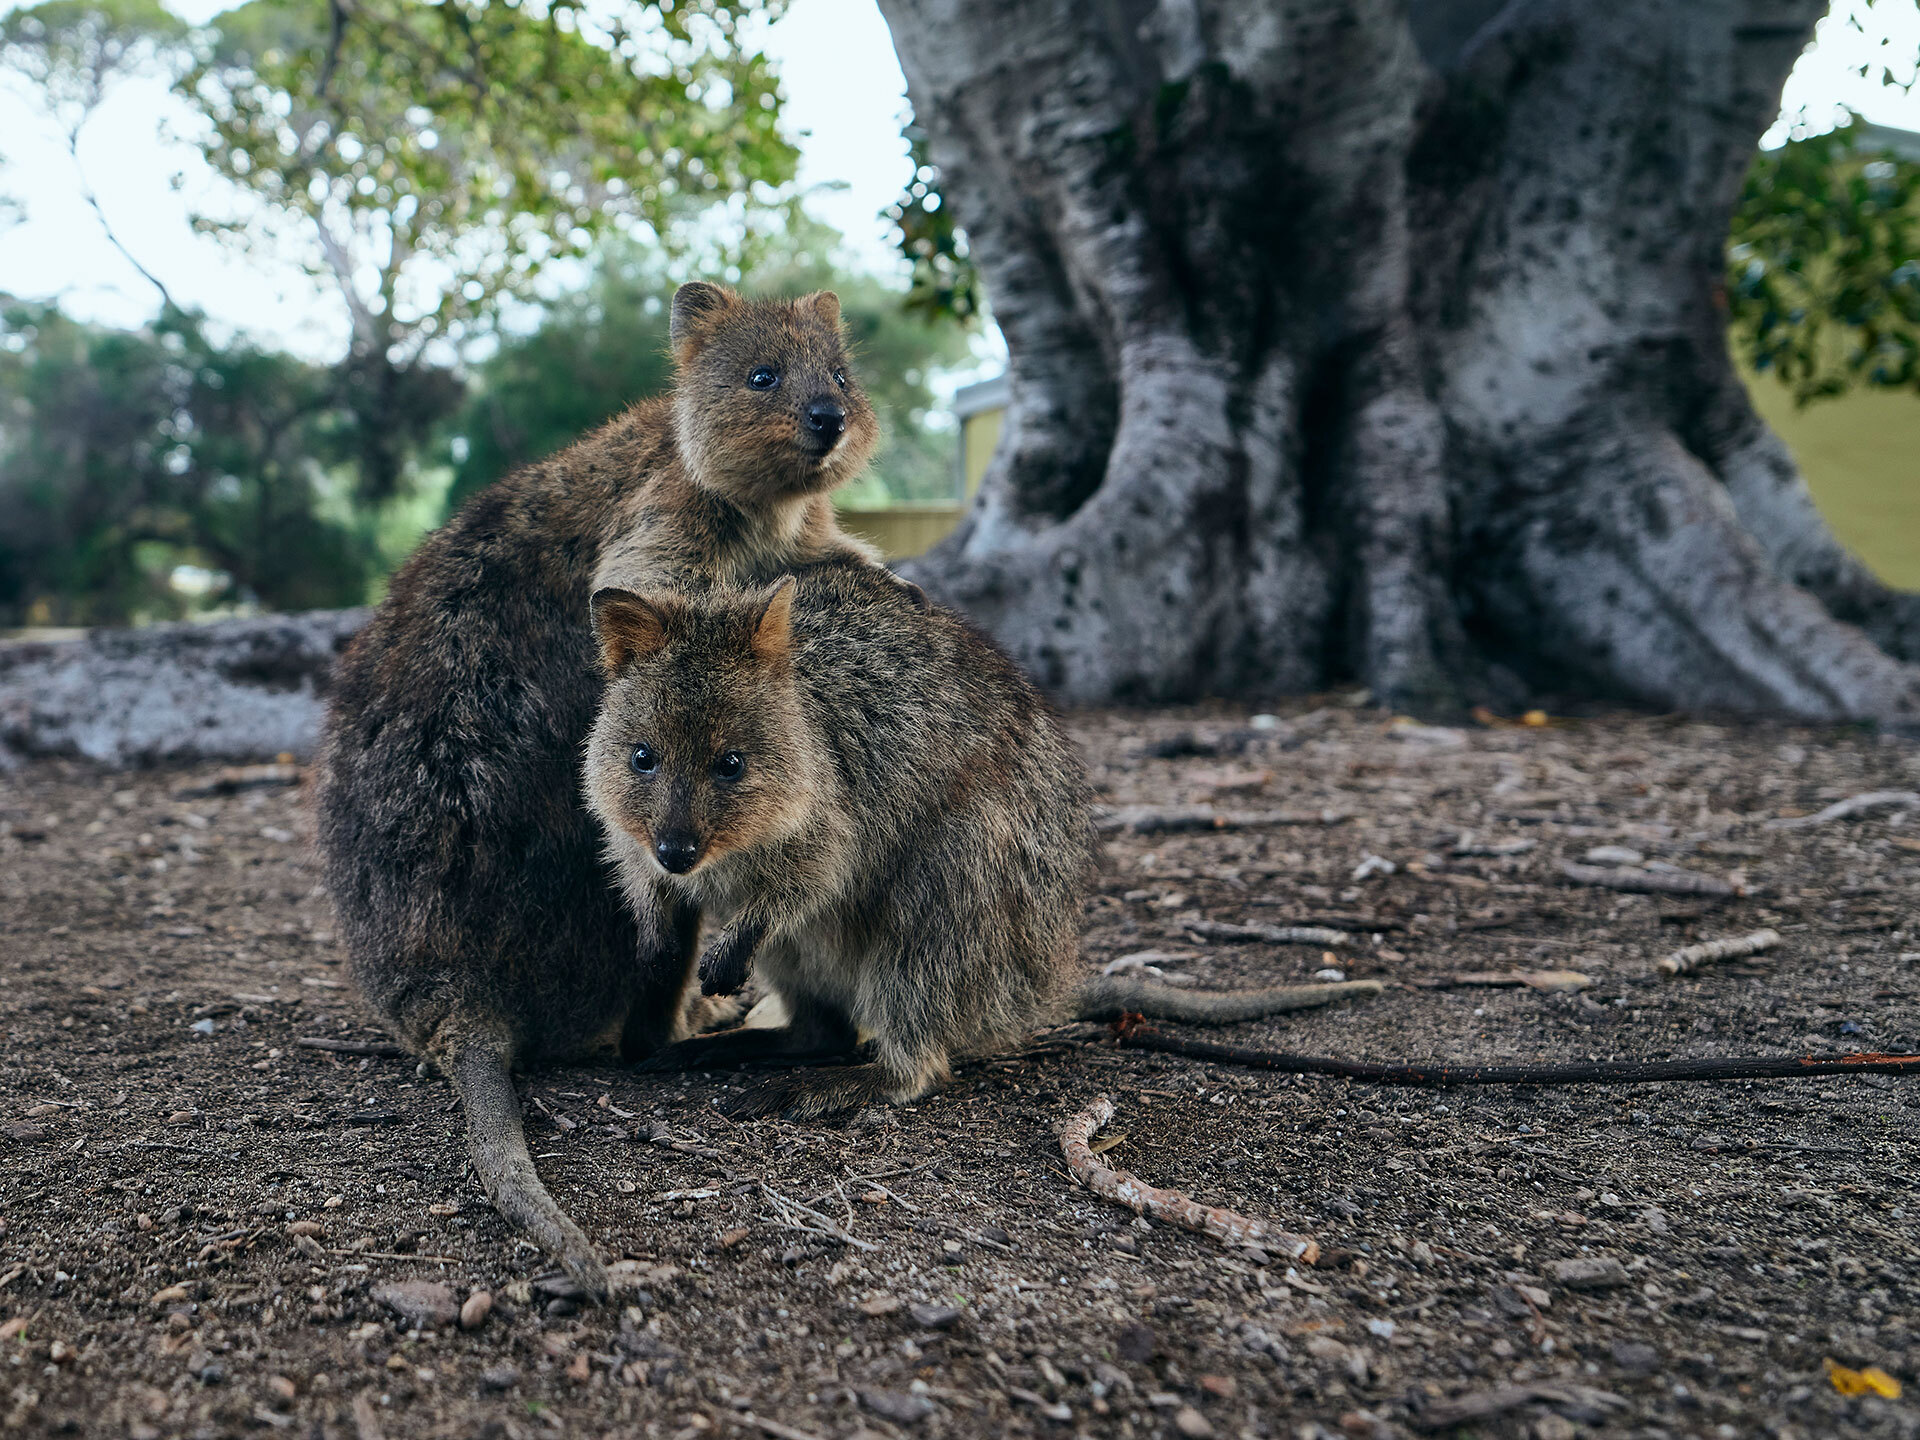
column 875, row 810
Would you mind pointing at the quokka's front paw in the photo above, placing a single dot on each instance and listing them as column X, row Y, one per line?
column 723, row 969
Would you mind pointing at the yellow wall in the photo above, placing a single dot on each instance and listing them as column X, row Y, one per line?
column 1861, row 456
column 903, row 531
column 979, row 433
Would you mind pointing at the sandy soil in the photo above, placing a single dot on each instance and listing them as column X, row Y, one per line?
column 203, row 1225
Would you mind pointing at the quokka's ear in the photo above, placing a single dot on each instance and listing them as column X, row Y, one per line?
column 824, row 305
column 630, row 627
column 696, row 305
column 773, row 627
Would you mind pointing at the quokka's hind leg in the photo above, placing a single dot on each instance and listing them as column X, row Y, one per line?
column 498, row 1146
column 811, row 1036
column 891, row 1078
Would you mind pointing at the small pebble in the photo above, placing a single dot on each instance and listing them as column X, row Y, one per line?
column 1591, row 1272
column 898, row 1406
column 1636, row 1357
column 1135, row 1343
column 934, row 1317
column 474, row 1312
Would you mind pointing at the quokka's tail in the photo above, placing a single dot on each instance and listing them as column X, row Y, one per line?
column 1108, row 997
column 498, row 1146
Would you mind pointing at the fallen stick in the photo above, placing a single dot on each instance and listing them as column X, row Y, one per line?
column 1553, row 982
column 1268, row 934
column 1331, row 920
column 1169, row 1205
column 1852, row 805
column 1159, row 819
column 1650, row 882
column 771, row 1427
column 1466, row 846
column 1442, row 1073
column 380, row 1049
column 1485, row 1404
column 824, row 1224
column 1684, row 959
column 236, row 778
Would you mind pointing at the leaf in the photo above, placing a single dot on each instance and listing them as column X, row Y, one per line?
column 1860, row 1382
column 1105, row 1143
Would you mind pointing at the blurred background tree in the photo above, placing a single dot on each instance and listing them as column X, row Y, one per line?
column 137, row 465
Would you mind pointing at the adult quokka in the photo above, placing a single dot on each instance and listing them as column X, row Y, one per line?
column 482, row 919
column 880, row 814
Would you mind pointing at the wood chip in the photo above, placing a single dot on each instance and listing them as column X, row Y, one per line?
column 1736, row 948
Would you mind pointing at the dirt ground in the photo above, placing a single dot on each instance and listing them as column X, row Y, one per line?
column 199, row 1219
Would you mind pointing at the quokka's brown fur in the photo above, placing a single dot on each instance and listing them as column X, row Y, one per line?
column 481, row 917
column 879, row 810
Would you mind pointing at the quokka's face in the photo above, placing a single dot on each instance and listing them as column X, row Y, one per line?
column 766, row 403
column 693, row 756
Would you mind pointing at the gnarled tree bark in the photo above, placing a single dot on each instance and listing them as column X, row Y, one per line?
column 1359, row 339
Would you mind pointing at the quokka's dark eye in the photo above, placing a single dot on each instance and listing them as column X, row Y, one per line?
column 763, row 377
column 730, row 766
column 643, row 761
column 840, row 378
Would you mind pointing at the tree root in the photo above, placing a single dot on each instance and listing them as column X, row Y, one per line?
column 1442, row 1073
column 1171, row 1206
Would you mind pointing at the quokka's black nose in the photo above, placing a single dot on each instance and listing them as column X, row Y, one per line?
column 676, row 853
column 826, row 419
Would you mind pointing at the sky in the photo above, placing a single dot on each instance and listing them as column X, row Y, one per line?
column 844, row 101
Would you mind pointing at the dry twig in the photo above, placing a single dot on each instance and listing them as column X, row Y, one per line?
column 1738, row 947
column 790, row 1213
column 1485, row 1404
column 235, row 778
column 1155, row 819
column 1852, row 805
column 771, row 1427
column 1168, row 1205
column 380, row 1049
column 1650, row 882
column 1268, row 934
column 1553, row 982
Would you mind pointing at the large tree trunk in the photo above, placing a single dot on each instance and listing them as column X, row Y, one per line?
column 1352, row 345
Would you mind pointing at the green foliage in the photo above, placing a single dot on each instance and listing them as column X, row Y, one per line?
column 945, row 283
column 124, row 454
column 598, row 350
column 594, row 353
column 1823, row 266
column 444, row 154
column 71, row 51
